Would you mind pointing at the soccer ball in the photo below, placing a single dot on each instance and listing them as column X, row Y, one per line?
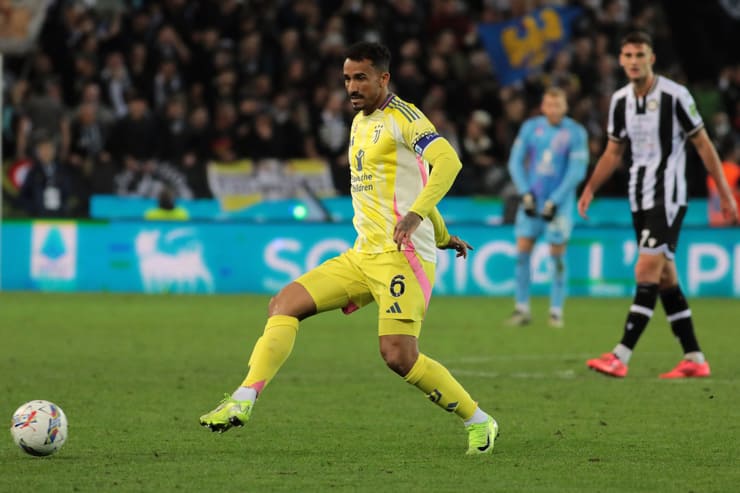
column 39, row 427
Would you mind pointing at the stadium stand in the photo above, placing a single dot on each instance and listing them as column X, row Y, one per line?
column 144, row 95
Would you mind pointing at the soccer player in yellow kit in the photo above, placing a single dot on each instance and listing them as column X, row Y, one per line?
column 392, row 262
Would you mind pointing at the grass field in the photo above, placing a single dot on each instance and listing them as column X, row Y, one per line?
column 133, row 373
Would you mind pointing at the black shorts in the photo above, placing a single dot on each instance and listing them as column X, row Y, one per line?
column 654, row 233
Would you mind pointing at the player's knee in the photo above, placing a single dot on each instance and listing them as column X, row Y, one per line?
column 398, row 363
column 649, row 269
column 274, row 306
column 398, row 359
column 293, row 301
column 668, row 279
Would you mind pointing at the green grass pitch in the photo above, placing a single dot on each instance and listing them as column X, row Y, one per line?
column 133, row 373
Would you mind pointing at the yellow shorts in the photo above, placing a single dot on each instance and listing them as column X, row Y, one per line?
column 399, row 282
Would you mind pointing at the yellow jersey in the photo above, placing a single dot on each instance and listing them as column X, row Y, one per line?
column 389, row 172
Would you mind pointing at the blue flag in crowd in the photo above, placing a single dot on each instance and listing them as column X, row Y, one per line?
column 521, row 46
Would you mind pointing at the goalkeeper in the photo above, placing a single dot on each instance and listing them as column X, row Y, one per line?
column 547, row 162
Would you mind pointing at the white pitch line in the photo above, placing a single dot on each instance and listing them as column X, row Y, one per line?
column 517, row 357
column 564, row 374
column 534, row 357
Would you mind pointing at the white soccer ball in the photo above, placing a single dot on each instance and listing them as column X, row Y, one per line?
column 39, row 427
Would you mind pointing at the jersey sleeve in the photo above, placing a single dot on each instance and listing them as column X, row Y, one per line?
column 687, row 114
column 417, row 131
column 419, row 135
column 445, row 167
column 441, row 235
column 616, row 127
column 516, row 163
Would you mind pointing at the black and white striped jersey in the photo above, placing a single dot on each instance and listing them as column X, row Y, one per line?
column 655, row 127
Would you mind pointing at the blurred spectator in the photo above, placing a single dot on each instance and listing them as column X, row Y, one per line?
column 450, row 16
column 140, row 72
column 479, row 162
column 91, row 95
column 116, row 83
column 206, row 44
column 44, row 112
column 223, row 144
column 85, row 72
column 167, row 83
column 47, row 189
column 13, row 115
column 197, row 152
column 166, row 209
column 252, row 60
column 141, row 26
column 265, row 141
column 134, row 145
column 408, row 78
column 134, row 138
column 332, row 132
column 559, row 74
column 291, row 122
column 170, row 47
column 446, row 45
column 405, row 22
column 176, row 159
column 225, row 86
column 445, row 128
column 88, row 161
column 42, row 69
column 174, row 131
column 583, row 65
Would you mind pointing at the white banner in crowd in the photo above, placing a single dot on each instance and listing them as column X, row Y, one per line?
column 242, row 183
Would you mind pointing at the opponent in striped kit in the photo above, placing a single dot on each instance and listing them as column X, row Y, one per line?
column 655, row 116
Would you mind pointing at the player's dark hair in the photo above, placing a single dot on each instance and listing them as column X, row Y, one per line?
column 377, row 53
column 637, row 38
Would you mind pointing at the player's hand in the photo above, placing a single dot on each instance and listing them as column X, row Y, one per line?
column 549, row 210
column 405, row 228
column 529, row 205
column 586, row 197
column 459, row 245
column 729, row 209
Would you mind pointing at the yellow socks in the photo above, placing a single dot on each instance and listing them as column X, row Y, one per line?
column 441, row 387
column 271, row 351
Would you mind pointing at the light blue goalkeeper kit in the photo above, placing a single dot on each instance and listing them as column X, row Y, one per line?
column 548, row 161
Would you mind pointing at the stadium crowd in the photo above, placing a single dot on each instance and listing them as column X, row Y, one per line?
column 140, row 95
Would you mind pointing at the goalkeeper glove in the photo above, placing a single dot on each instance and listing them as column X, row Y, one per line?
column 549, row 210
column 529, row 205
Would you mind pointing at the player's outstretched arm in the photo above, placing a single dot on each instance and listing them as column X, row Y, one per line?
column 712, row 163
column 608, row 162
